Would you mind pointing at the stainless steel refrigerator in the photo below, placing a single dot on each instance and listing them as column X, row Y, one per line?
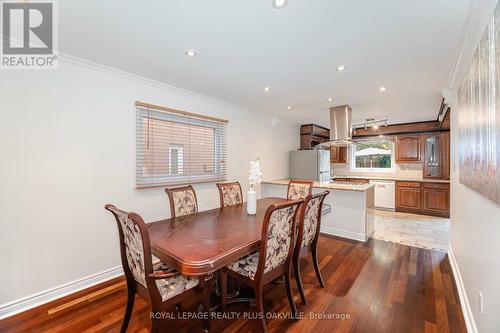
column 310, row 164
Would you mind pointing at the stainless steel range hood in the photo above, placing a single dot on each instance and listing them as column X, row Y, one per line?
column 340, row 127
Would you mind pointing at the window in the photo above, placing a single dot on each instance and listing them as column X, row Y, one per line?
column 176, row 159
column 175, row 147
column 373, row 155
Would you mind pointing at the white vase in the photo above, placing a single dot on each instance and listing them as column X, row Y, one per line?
column 251, row 202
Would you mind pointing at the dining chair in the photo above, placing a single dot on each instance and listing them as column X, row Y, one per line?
column 307, row 237
column 272, row 260
column 299, row 189
column 160, row 285
column 182, row 201
column 230, row 194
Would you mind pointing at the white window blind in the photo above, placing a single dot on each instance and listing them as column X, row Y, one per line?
column 175, row 147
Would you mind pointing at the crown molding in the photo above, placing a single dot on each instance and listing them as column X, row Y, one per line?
column 67, row 58
column 477, row 19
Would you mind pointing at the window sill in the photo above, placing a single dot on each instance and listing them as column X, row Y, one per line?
column 180, row 183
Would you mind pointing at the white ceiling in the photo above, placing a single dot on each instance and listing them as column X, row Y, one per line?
column 245, row 45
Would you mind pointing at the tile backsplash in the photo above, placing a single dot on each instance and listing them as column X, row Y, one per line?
column 410, row 171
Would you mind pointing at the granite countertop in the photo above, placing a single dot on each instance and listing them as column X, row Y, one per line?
column 329, row 186
column 402, row 179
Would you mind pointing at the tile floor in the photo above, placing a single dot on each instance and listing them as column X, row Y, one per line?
column 421, row 231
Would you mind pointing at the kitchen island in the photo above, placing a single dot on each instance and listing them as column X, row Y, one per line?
column 351, row 207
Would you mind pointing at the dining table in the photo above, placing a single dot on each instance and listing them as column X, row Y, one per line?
column 204, row 242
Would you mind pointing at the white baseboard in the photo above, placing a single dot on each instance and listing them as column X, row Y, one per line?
column 343, row 233
column 464, row 301
column 28, row 302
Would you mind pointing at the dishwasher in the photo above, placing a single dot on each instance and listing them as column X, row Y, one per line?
column 385, row 194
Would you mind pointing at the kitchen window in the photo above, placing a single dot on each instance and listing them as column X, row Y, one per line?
column 175, row 147
column 375, row 155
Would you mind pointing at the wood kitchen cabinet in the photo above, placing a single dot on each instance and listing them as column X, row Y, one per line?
column 436, row 155
column 436, row 199
column 423, row 198
column 408, row 148
column 311, row 135
column 338, row 154
column 408, row 197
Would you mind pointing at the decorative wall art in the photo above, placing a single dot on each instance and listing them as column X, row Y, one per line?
column 479, row 116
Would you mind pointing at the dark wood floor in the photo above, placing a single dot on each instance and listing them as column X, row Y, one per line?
column 381, row 286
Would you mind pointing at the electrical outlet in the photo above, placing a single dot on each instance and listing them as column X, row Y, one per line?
column 481, row 302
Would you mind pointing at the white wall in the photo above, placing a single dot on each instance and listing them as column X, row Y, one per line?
column 475, row 220
column 66, row 147
column 475, row 241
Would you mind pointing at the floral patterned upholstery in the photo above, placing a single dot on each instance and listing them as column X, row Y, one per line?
column 133, row 247
column 184, row 202
column 175, row 285
column 278, row 244
column 246, row 266
column 279, row 236
column 297, row 191
column 311, row 218
column 231, row 194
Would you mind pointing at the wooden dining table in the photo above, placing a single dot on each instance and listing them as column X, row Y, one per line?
column 202, row 243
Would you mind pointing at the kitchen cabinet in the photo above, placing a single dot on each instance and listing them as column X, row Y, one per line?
column 312, row 135
column 436, row 155
column 408, row 197
column 408, row 148
column 338, row 154
column 423, row 198
column 436, row 199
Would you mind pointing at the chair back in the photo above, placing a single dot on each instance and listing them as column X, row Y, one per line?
column 299, row 189
column 310, row 219
column 182, row 201
column 134, row 245
column 230, row 194
column 278, row 236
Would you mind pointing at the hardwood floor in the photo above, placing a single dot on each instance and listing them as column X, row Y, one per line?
column 377, row 287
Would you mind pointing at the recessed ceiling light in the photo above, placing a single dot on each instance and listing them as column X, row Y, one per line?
column 267, row 89
column 289, row 107
column 375, row 126
column 330, row 99
column 382, row 88
column 340, row 68
column 191, row 53
column 278, row 4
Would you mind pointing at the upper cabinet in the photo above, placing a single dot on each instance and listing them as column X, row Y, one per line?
column 436, row 155
column 408, row 148
column 338, row 154
column 312, row 135
column 430, row 149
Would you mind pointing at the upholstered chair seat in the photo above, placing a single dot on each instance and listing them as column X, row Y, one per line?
column 175, row 285
column 246, row 266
